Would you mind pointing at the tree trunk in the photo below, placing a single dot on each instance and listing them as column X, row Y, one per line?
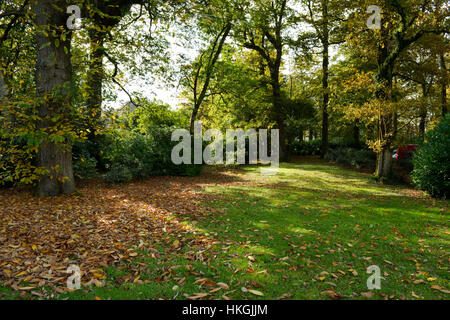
column 386, row 119
column 216, row 50
column 444, row 85
column 384, row 163
column 279, row 111
column 3, row 94
column 3, row 89
column 53, row 79
column 356, row 134
column 325, row 75
column 95, row 78
column 194, row 118
column 423, row 114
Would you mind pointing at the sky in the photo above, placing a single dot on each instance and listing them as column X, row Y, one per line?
column 153, row 87
column 170, row 95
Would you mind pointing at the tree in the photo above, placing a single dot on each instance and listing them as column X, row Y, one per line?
column 263, row 26
column 204, row 71
column 328, row 30
column 419, row 65
column 53, row 88
column 403, row 23
column 444, row 83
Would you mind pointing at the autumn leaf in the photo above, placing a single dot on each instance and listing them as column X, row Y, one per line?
column 256, row 292
column 26, row 288
column 439, row 288
column 284, row 296
column 223, row 285
column 332, row 294
column 368, row 294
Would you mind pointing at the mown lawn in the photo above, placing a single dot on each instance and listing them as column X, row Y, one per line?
column 309, row 232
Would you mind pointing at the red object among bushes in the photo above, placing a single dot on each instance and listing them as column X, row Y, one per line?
column 404, row 151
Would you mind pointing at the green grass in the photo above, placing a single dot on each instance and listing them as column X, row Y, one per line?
column 311, row 228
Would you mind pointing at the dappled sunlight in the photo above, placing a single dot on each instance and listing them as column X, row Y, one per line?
column 319, row 178
column 236, row 226
column 94, row 230
column 300, row 230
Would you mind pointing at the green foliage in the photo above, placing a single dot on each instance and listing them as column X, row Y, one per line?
column 118, row 173
column 84, row 165
column 132, row 155
column 352, row 157
column 19, row 142
column 151, row 114
column 432, row 162
column 306, row 148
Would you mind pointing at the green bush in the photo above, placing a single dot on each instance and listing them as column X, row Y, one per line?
column 432, row 162
column 118, row 174
column 130, row 155
column 84, row 164
column 85, row 167
column 355, row 158
column 306, row 148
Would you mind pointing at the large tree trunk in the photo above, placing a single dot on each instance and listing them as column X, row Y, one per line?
column 325, row 75
column 384, row 163
column 53, row 79
column 386, row 124
column 444, row 85
column 386, row 119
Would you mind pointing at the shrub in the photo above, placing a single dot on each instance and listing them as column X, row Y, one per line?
column 432, row 162
column 306, row 148
column 84, row 164
column 118, row 174
column 139, row 155
column 85, row 167
column 351, row 157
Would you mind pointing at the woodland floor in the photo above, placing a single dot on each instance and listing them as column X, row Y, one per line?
column 309, row 232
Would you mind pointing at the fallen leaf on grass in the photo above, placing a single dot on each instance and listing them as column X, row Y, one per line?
column 197, row 296
column 439, row 288
column 368, row 294
column 223, row 285
column 256, row 292
column 284, row 296
column 332, row 294
column 26, row 288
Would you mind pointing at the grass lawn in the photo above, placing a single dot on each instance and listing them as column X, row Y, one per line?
column 309, row 232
